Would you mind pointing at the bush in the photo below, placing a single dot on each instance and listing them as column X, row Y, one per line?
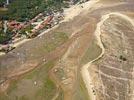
column 122, row 58
column 5, row 37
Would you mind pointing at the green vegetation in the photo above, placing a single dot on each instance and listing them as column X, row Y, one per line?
column 25, row 88
column 44, row 89
column 60, row 73
column 56, row 39
column 23, row 10
column 61, row 95
column 81, row 91
column 27, row 29
column 4, row 37
column 2, row 2
column 48, row 44
column 47, row 91
column 92, row 52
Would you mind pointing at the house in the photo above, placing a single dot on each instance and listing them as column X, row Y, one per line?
column 15, row 25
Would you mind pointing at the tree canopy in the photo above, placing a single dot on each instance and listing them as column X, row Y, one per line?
column 22, row 10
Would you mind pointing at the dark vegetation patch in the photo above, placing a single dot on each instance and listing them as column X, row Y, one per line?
column 4, row 37
column 123, row 58
column 23, row 10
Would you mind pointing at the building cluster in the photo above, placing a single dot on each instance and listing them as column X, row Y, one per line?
column 39, row 23
column 14, row 25
column 42, row 22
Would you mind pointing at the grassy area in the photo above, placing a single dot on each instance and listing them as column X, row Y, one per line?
column 26, row 89
column 57, row 39
column 61, row 96
column 93, row 51
column 60, row 73
column 37, row 85
column 81, row 91
column 46, row 44
column 5, row 37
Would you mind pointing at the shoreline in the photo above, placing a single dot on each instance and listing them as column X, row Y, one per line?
column 84, row 71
